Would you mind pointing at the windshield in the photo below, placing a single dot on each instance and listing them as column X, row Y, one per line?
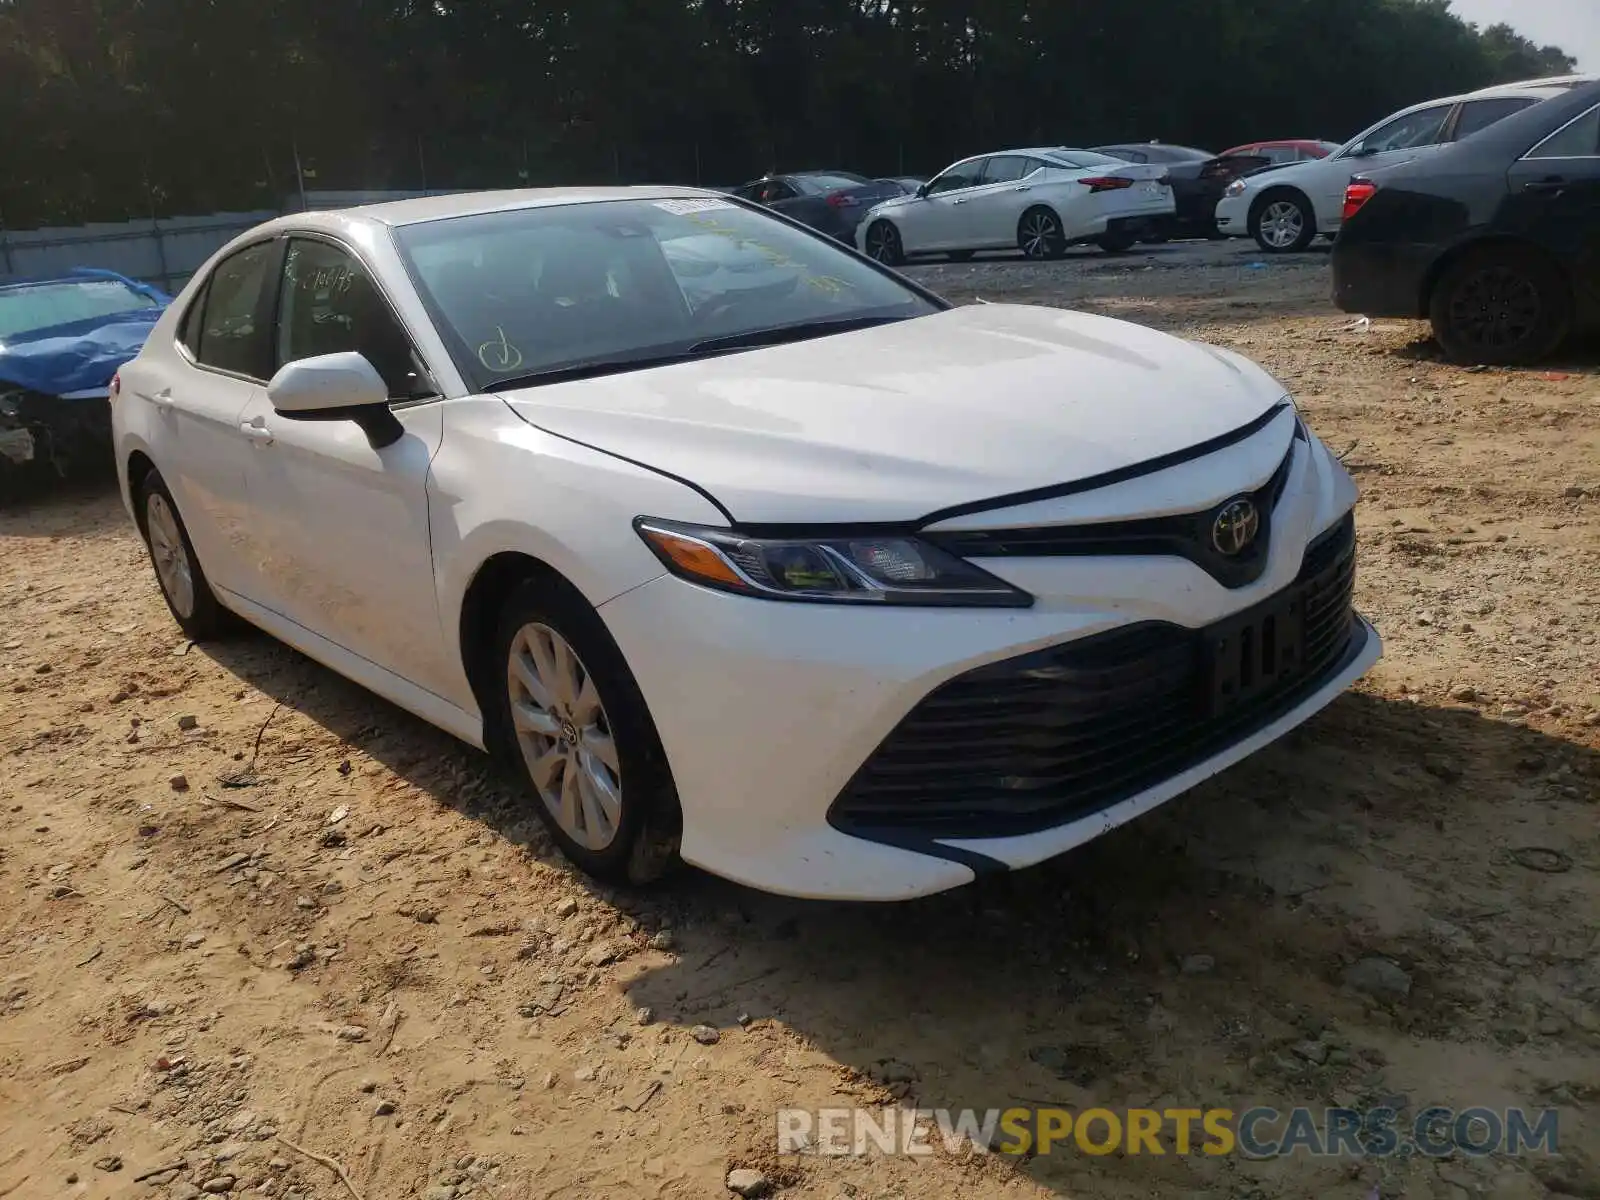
column 41, row 305
column 531, row 291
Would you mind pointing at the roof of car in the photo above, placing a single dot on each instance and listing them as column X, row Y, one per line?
column 464, row 204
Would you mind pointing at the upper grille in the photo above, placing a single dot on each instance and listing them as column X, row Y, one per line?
column 1033, row 742
column 1181, row 535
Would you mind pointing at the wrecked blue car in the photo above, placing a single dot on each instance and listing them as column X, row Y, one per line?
column 61, row 341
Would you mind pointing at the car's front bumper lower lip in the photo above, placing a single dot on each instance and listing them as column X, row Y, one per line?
column 790, row 700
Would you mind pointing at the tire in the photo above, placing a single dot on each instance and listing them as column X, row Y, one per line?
column 1039, row 234
column 1500, row 307
column 1157, row 239
column 183, row 582
column 883, row 244
column 960, row 256
column 1115, row 243
column 608, row 797
column 1283, row 222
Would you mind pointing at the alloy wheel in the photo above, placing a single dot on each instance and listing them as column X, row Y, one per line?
column 565, row 736
column 1282, row 224
column 1496, row 309
column 883, row 243
column 169, row 554
column 1040, row 233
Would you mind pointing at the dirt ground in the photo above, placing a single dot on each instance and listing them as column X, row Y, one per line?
column 344, row 933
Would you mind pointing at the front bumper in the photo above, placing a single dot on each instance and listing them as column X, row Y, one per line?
column 1233, row 215
column 767, row 711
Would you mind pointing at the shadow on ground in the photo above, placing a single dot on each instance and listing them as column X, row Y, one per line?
column 1068, row 984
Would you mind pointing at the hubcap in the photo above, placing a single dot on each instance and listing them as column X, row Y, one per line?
column 1495, row 309
column 1038, row 233
column 1282, row 223
column 880, row 243
column 169, row 556
column 565, row 736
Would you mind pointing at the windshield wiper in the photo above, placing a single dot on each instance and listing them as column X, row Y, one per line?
column 592, row 369
column 797, row 332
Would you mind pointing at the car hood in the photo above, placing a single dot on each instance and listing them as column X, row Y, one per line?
column 77, row 357
column 900, row 421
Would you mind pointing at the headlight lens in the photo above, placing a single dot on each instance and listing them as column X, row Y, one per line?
column 1236, row 188
column 869, row 569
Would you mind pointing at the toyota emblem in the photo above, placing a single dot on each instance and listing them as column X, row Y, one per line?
column 1236, row 526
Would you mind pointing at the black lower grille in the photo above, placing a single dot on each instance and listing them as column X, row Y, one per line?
column 1032, row 742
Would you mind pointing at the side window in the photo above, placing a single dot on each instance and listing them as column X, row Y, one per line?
column 233, row 327
column 1004, row 168
column 330, row 305
column 1408, row 132
column 965, row 176
column 1480, row 114
column 776, row 189
column 1579, row 139
column 189, row 331
column 750, row 191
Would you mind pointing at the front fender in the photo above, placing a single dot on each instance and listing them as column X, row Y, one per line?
column 500, row 485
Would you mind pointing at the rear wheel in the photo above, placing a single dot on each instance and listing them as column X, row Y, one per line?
column 1282, row 222
column 1039, row 234
column 1500, row 306
column 183, row 583
column 883, row 244
column 1116, row 243
column 568, row 717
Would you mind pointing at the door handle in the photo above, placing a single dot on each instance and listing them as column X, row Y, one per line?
column 1554, row 183
column 256, row 430
column 1023, row 187
column 958, row 200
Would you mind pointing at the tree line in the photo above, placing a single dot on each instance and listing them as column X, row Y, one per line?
column 114, row 109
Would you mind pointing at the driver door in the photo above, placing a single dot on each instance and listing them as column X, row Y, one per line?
column 341, row 529
column 938, row 220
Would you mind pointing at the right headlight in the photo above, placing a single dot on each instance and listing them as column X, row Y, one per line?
column 1236, row 188
column 865, row 569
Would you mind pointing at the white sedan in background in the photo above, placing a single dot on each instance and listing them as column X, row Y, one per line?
column 1285, row 208
column 829, row 587
column 1038, row 201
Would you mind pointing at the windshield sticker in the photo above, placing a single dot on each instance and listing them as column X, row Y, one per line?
column 683, row 208
column 499, row 355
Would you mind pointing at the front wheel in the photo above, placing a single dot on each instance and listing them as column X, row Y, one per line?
column 1039, row 234
column 183, row 583
column 883, row 244
column 1283, row 223
column 1500, row 307
column 569, row 718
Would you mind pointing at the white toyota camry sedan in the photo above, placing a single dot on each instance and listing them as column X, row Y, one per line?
column 825, row 586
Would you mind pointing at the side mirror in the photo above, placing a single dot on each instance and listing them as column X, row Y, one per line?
column 1362, row 152
column 336, row 387
column 922, row 192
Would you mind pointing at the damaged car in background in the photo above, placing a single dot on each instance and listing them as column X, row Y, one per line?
column 61, row 341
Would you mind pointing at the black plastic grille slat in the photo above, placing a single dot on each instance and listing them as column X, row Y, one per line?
column 1035, row 741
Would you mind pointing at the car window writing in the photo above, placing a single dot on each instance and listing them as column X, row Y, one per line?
column 233, row 327
column 1579, row 139
column 330, row 305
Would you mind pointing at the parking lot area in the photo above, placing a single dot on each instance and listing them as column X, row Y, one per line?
column 257, row 926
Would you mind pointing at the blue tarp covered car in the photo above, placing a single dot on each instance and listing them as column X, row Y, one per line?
column 61, row 341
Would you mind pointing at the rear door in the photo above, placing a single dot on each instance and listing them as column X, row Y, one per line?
column 221, row 364
column 1555, row 198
